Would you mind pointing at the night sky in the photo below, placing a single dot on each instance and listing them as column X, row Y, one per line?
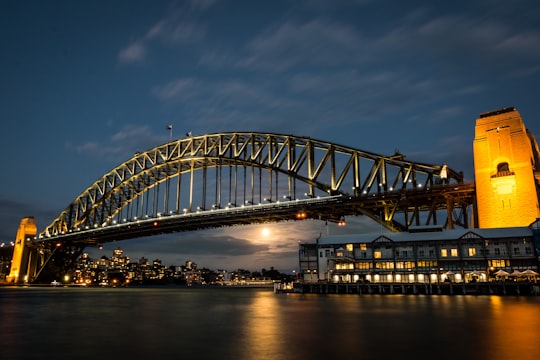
column 86, row 84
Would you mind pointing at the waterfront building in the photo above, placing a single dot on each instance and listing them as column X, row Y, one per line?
column 424, row 255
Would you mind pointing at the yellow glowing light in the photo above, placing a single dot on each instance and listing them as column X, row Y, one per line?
column 265, row 232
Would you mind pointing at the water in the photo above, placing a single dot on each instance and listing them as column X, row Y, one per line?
column 231, row 323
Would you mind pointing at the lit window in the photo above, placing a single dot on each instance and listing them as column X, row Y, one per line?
column 377, row 254
column 363, row 247
column 349, row 247
column 497, row 263
column 453, row 252
column 444, row 252
column 472, row 251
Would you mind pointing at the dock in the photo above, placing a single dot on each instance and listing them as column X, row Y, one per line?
column 479, row 288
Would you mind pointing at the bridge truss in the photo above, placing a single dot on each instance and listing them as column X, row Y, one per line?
column 226, row 179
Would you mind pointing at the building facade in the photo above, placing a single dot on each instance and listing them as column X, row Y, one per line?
column 426, row 255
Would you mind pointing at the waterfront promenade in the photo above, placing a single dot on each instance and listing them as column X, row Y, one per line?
column 523, row 288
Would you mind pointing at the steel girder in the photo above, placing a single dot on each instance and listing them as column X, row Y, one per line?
column 249, row 168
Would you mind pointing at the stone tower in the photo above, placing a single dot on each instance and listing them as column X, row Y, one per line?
column 18, row 270
column 507, row 170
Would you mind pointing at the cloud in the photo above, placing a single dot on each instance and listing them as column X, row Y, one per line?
column 464, row 36
column 179, row 27
column 315, row 43
column 122, row 144
column 13, row 211
column 132, row 53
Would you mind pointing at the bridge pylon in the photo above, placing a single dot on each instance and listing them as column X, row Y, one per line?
column 507, row 170
column 22, row 259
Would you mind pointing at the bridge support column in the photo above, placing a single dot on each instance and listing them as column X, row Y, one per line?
column 19, row 263
column 506, row 161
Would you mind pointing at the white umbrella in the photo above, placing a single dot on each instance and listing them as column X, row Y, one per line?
column 515, row 273
column 501, row 272
column 529, row 272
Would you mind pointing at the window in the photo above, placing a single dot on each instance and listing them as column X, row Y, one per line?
column 345, row 266
column 427, row 264
column 377, row 254
column 498, row 263
column 503, row 167
column 363, row 265
column 528, row 251
column 421, row 253
column 363, row 247
column 516, row 251
column 384, row 265
column 472, row 251
column 453, row 252
column 444, row 252
column 405, row 265
column 497, row 251
column 349, row 247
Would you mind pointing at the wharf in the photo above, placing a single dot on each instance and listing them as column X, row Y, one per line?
column 479, row 288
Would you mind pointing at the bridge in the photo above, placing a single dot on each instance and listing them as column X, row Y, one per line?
column 226, row 179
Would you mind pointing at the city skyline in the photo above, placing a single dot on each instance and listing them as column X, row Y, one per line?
column 88, row 84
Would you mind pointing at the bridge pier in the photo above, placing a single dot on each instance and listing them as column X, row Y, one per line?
column 21, row 260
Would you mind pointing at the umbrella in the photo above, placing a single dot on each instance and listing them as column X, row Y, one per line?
column 501, row 272
column 529, row 272
column 515, row 273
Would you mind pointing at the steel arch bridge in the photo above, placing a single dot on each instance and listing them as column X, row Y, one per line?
column 226, row 179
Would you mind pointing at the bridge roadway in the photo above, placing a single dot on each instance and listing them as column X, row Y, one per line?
column 328, row 208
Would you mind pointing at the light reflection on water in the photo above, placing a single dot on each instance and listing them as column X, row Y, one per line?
column 224, row 323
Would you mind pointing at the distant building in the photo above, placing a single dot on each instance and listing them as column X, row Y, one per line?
column 427, row 256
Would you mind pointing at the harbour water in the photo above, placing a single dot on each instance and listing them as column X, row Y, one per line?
column 248, row 323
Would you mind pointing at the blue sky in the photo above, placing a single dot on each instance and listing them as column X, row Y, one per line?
column 86, row 84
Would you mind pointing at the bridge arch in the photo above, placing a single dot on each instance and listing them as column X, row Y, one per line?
column 243, row 169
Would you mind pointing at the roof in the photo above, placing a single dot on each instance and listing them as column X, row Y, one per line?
column 491, row 233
